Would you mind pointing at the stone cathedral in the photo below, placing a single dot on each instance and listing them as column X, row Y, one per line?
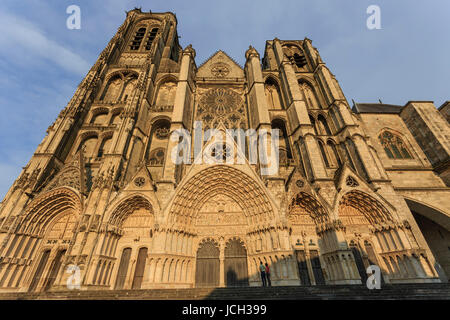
column 357, row 185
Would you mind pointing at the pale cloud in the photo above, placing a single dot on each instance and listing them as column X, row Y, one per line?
column 21, row 35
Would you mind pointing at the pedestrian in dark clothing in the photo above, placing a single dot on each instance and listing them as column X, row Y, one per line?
column 262, row 269
column 268, row 275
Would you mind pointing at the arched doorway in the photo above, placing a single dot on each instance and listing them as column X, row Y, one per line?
column 123, row 268
column 55, row 244
column 35, row 252
column 207, row 272
column 54, row 269
column 359, row 261
column 135, row 218
column 39, row 271
column 140, row 267
column 235, row 266
column 303, row 214
column 434, row 226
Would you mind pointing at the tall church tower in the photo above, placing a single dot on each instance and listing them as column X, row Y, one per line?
column 103, row 195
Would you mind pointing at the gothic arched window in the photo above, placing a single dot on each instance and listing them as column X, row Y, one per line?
column 166, row 94
column 295, row 55
column 104, row 147
column 309, row 96
column 159, row 136
column 284, row 145
column 112, row 89
column 333, row 151
column 115, row 118
column 88, row 145
column 128, row 87
column 99, row 118
column 355, row 157
column 394, row 146
column 323, row 125
column 151, row 36
column 324, row 153
column 272, row 94
column 156, row 157
column 313, row 123
column 300, row 60
column 136, row 42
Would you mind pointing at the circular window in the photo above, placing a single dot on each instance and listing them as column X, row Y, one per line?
column 139, row 181
column 220, row 151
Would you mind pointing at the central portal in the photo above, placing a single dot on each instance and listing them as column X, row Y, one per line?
column 236, row 270
column 221, row 220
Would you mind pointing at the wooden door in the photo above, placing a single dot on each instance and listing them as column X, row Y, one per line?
column 372, row 257
column 208, row 267
column 235, row 266
column 303, row 268
column 40, row 269
column 54, row 269
column 316, row 267
column 140, row 267
column 359, row 262
column 123, row 268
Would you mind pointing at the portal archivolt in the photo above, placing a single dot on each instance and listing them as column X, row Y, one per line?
column 221, row 180
column 42, row 236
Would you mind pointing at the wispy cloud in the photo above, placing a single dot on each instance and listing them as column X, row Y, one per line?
column 21, row 35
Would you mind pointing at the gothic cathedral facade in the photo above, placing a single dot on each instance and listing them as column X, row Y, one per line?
column 357, row 185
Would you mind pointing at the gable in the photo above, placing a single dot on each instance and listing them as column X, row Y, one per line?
column 220, row 66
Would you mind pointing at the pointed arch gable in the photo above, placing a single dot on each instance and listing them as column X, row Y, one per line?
column 122, row 208
column 47, row 206
column 163, row 94
column 311, row 205
column 224, row 179
column 372, row 209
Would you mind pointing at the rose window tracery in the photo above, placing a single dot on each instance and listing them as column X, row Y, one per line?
column 221, row 106
column 220, row 70
column 220, row 151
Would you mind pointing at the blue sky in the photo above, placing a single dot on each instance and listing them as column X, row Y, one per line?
column 42, row 62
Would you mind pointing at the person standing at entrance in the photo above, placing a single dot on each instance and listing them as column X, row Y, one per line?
column 262, row 269
column 268, row 275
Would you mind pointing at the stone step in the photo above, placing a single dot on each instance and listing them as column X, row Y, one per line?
column 403, row 291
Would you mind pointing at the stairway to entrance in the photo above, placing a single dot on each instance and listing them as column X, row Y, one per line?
column 440, row 291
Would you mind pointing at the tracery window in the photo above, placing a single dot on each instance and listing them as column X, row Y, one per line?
column 104, row 147
column 295, row 55
column 300, row 60
column 394, row 146
column 136, row 42
column 157, row 157
column 309, row 96
column 324, row 154
column 283, row 141
column 272, row 94
column 138, row 38
column 166, row 94
column 151, row 37
column 220, row 151
column 119, row 87
column 324, row 128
